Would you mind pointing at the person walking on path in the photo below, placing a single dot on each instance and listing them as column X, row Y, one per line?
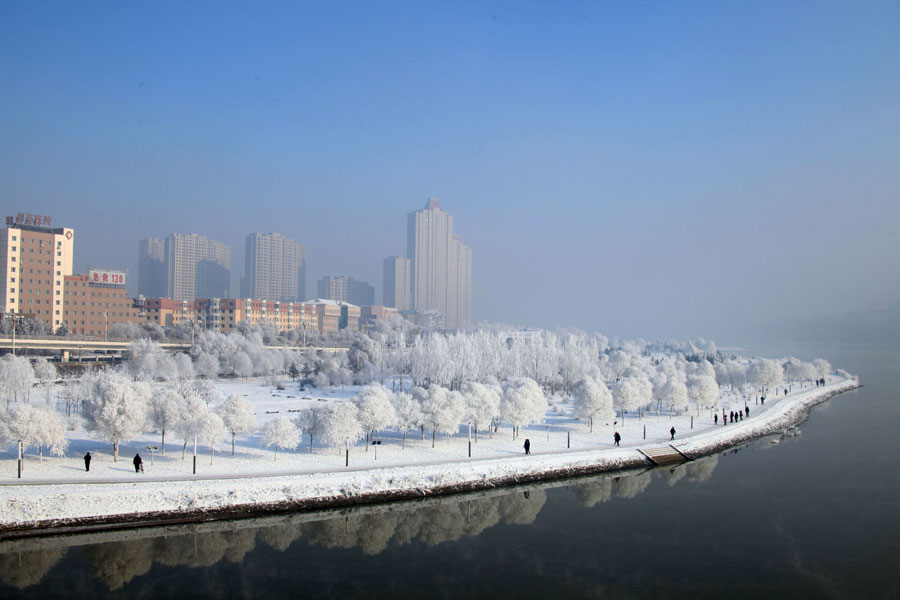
column 138, row 463
column 87, row 461
column 747, row 410
column 672, row 432
column 617, row 438
column 527, row 446
column 716, row 419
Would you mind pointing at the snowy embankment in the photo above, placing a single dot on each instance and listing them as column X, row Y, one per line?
column 57, row 506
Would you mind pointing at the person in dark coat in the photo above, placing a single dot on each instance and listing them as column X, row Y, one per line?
column 747, row 410
column 527, row 446
column 716, row 419
column 138, row 463
column 617, row 438
column 672, row 432
column 87, row 461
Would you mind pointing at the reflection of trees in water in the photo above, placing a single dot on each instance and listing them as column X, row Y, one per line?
column 370, row 529
column 24, row 569
column 117, row 563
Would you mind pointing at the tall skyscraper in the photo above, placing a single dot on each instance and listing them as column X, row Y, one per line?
column 396, row 283
column 274, row 268
column 346, row 289
column 36, row 258
column 194, row 267
column 152, row 272
column 441, row 265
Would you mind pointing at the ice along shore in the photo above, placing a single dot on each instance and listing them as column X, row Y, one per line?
column 62, row 508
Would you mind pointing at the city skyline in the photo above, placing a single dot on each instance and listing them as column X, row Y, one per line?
column 638, row 170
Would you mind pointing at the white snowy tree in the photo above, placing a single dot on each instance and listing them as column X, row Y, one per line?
column 409, row 413
column 522, row 403
column 20, row 426
column 375, row 409
column 16, row 378
column 482, row 404
column 338, row 423
column 442, row 410
column 633, row 391
column 207, row 365
column 144, row 356
column 45, row 373
column 822, row 366
column 308, row 421
column 280, row 432
column 591, row 400
column 211, row 430
column 116, row 408
column 164, row 411
column 51, row 432
column 765, row 373
column 183, row 366
column 237, row 414
column 242, row 366
column 187, row 427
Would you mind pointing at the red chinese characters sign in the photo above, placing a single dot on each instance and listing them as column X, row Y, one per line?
column 107, row 277
column 28, row 219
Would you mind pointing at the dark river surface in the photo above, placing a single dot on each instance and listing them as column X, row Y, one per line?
column 814, row 515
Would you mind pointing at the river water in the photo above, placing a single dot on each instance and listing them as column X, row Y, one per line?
column 810, row 515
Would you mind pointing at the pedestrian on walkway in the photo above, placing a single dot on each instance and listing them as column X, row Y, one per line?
column 716, row 419
column 138, row 463
column 527, row 446
column 87, row 461
column 672, row 432
column 617, row 438
column 747, row 410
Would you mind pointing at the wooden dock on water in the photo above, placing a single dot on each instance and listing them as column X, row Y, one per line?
column 664, row 455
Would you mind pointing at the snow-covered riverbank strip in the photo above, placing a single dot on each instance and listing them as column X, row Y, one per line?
column 54, row 508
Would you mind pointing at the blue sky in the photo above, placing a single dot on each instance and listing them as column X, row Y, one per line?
column 651, row 169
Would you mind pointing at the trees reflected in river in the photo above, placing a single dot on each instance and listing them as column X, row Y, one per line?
column 116, row 558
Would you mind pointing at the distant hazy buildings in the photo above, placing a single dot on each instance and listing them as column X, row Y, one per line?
column 441, row 266
column 35, row 258
column 152, row 268
column 195, row 267
column 274, row 268
column 396, row 283
column 346, row 289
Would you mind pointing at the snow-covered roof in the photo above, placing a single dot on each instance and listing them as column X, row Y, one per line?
column 329, row 301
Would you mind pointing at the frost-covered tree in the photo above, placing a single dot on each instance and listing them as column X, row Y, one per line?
column 144, row 358
column 184, row 368
column 45, row 373
column 237, row 414
column 211, row 430
column 242, row 366
column 308, row 421
column 187, row 426
column 674, row 391
column 16, row 378
column 591, row 400
column 822, row 367
column 409, row 413
column 632, row 392
column 482, row 404
column 20, row 426
column 375, row 409
column 522, row 403
column 765, row 373
column 338, row 423
column 116, row 408
column 442, row 410
column 164, row 411
column 207, row 365
column 280, row 432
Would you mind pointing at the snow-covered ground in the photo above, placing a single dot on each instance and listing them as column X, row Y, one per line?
column 59, row 490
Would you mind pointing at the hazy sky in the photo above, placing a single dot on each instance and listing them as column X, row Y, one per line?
column 640, row 169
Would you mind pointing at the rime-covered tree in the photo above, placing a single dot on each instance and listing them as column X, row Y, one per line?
column 116, row 408
column 237, row 415
column 522, row 403
column 375, row 409
column 281, row 433
column 338, row 423
column 765, row 373
column 442, row 410
column 210, row 431
column 207, row 365
column 164, row 411
column 16, row 378
column 482, row 404
column 45, row 373
column 409, row 413
column 591, row 400
column 632, row 392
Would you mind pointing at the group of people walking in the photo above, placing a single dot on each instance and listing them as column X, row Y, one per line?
column 731, row 416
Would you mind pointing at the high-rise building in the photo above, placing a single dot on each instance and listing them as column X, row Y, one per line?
column 152, row 272
column 441, row 266
column 346, row 289
column 396, row 283
column 274, row 268
column 36, row 258
column 197, row 267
